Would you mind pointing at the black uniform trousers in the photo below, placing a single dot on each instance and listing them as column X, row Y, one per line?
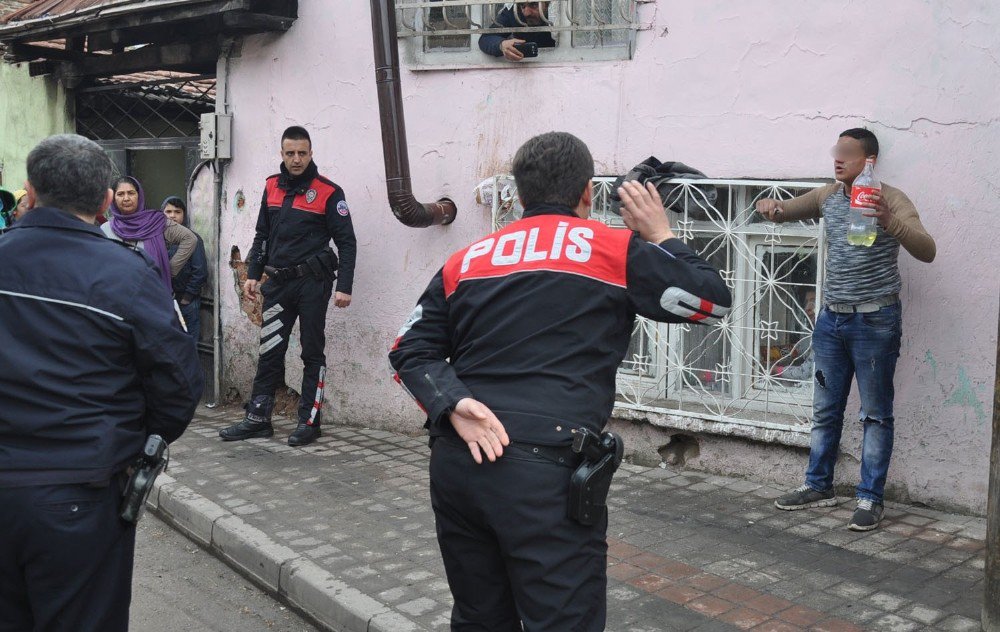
column 65, row 559
column 306, row 298
column 511, row 554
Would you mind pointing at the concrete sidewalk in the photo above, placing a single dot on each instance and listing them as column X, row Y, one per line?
column 343, row 530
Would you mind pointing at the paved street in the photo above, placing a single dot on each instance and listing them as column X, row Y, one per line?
column 688, row 551
column 180, row 587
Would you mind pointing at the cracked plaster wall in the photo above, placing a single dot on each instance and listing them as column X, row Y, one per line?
column 736, row 92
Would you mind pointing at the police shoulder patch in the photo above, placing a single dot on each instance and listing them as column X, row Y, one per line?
column 342, row 208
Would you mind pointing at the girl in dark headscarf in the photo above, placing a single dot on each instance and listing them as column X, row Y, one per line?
column 189, row 281
column 149, row 229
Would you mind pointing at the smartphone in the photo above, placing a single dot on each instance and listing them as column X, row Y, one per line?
column 528, row 49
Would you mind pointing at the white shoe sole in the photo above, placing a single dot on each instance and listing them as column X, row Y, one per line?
column 826, row 502
column 854, row 527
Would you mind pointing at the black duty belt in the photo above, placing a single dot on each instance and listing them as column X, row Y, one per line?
column 564, row 455
column 320, row 266
column 559, row 455
column 286, row 274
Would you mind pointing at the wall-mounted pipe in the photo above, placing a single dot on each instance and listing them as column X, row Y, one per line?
column 404, row 205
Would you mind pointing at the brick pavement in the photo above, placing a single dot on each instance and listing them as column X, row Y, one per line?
column 687, row 550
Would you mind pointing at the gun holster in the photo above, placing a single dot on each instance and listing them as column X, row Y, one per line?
column 140, row 482
column 590, row 482
column 323, row 265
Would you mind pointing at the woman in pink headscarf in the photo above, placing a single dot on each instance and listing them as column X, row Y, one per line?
column 148, row 229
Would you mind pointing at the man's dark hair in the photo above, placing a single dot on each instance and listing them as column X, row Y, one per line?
column 71, row 173
column 552, row 168
column 296, row 132
column 867, row 138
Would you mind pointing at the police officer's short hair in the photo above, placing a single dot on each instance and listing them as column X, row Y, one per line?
column 296, row 132
column 552, row 168
column 71, row 173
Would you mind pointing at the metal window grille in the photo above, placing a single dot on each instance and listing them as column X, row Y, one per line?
column 753, row 368
column 166, row 108
column 445, row 32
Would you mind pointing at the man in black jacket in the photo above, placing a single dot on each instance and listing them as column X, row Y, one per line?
column 528, row 14
column 512, row 351
column 94, row 361
column 301, row 211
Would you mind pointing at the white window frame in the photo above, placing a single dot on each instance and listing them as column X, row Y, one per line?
column 412, row 33
column 654, row 385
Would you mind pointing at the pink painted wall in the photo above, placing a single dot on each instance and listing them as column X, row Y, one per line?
column 735, row 91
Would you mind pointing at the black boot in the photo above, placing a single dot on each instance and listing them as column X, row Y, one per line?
column 257, row 422
column 305, row 434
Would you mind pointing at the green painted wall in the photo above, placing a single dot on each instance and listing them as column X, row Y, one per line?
column 31, row 108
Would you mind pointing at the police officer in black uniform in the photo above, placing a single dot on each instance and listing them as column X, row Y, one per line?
column 299, row 214
column 94, row 360
column 512, row 352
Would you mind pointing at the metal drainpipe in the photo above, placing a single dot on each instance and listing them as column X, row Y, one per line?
column 221, row 107
column 404, row 205
column 991, row 601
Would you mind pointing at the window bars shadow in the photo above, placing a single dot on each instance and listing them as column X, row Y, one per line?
column 755, row 367
column 119, row 109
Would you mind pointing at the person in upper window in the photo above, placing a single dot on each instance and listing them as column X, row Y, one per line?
column 520, row 15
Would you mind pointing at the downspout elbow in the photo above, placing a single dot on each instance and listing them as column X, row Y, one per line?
column 402, row 202
column 410, row 212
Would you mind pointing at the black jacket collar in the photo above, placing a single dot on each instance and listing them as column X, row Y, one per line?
column 548, row 209
column 47, row 217
column 299, row 184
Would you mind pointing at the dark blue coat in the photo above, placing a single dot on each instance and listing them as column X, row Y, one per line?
column 490, row 43
column 92, row 355
column 192, row 277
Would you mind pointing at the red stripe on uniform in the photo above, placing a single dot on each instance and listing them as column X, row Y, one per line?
column 544, row 243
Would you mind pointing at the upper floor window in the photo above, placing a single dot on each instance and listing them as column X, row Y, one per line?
column 467, row 33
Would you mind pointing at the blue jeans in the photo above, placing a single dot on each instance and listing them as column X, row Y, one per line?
column 848, row 345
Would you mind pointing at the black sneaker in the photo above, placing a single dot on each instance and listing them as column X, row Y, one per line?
column 305, row 434
column 806, row 497
column 866, row 516
column 257, row 422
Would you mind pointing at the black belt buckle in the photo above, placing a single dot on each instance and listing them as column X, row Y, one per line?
column 591, row 481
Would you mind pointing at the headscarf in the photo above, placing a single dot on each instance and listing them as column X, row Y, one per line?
column 7, row 204
column 147, row 226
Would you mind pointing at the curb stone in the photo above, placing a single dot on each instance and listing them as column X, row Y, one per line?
column 333, row 603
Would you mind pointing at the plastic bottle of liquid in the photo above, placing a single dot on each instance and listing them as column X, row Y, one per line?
column 862, row 230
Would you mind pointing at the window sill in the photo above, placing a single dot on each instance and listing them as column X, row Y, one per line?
column 793, row 435
column 475, row 59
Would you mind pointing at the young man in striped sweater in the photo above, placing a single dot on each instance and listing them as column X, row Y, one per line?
column 858, row 330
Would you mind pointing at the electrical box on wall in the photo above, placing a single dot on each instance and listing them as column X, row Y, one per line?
column 216, row 136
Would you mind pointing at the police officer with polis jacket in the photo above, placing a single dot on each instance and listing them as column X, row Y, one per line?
column 512, row 353
column 94, row 360
column 300, row 213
